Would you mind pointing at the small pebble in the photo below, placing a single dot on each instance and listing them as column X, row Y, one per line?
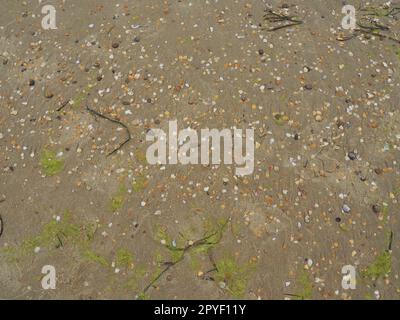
column 352, row 155
column 48, row 94
column 318, row 118
column 346, row 208
column 376, row 208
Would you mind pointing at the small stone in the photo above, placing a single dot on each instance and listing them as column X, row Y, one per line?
column 352, row 155
column 376, row 209
column 48, row 94
column 346, row 208
column 308, row 86
column 318, row 118
column 1, row 136
column 378, row 171
column 370, row 95
column 115, row 45
column 136, row 39
column 340, row 124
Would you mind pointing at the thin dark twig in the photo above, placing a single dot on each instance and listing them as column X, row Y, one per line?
column 129, row 138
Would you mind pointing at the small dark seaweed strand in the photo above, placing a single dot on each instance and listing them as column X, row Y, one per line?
column 375, row 26
column 358, row 32
column 390, row 241
column 354, row 35
column 60, row 243
column 382, row 36
column 392, row 13
column 169, row 265
column 272, row 16
column 202, row 241
column 129, row 138
column 63, row 105
column 276, row 17
column 284, row 26
column 294, row 295
column 1, row 225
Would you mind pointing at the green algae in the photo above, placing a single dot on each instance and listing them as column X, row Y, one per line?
column 50, row 164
